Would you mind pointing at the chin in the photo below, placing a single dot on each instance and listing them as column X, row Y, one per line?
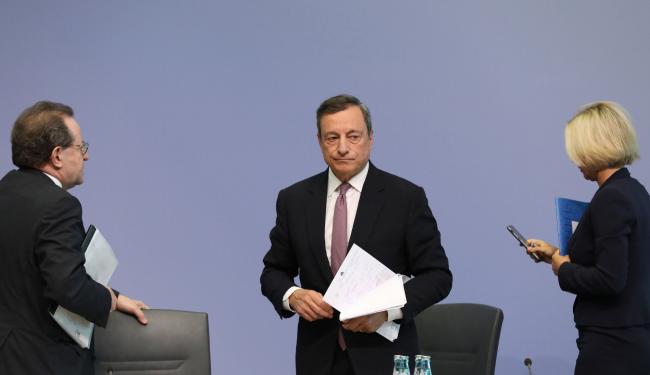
column 343, row 174
column 588, row 176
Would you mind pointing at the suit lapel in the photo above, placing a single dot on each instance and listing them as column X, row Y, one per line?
column 315, row 214
column 370, row 204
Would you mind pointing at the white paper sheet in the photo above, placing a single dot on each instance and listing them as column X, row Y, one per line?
column 386, row 296
column 363, row 286
column 390, row 330
column 100, row 265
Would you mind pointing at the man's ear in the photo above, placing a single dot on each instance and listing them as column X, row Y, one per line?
column 55, row 157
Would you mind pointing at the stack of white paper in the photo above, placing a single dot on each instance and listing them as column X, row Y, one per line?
column 100, row 265
column 363, row 286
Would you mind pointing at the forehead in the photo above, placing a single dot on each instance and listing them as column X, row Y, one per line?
column 73, row 127
column 346, row 120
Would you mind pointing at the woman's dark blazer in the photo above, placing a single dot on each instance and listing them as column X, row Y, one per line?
column 610, row 257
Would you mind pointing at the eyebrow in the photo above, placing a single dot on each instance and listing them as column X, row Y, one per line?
column 346, row 133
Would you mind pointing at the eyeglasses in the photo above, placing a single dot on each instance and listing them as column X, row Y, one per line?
column 83, row 147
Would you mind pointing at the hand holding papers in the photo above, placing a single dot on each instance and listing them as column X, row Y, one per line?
column 100, row 265
column 364, row 286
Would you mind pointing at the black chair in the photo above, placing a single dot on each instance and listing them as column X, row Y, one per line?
column 461, row 338
column 174, row 342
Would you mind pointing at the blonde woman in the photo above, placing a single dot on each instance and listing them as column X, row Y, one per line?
column 608, row 262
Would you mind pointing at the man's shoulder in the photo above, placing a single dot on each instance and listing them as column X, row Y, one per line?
column 317, row 181
column 390, row 181
column 33, row 183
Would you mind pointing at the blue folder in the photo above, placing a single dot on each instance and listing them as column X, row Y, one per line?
column 569, row 212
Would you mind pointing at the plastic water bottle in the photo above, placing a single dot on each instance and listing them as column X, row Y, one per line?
column 418, row 365
column 401, row 366
column 422, row 365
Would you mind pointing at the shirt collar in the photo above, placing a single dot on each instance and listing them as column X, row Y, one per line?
column 357, row 181
column 55, row 180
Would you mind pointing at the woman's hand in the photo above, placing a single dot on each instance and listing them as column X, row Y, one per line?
column 542, row 249
column 558, row 260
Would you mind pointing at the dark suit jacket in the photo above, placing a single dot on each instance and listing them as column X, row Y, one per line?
column 395, row 225
column 610, row 257
column 41, row 265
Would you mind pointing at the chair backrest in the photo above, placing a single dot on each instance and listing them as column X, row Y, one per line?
column 173, row 342
column 461, row 338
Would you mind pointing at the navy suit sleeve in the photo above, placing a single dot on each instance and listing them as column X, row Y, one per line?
column 61, row 263
column 612, row 219
column 427, row 259
column 280, row 263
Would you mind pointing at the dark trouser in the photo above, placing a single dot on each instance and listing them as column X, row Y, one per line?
column 613, row 351
column 24, row 353
column 341, row 364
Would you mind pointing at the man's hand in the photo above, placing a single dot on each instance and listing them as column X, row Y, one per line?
column 309, row 305
column 367, row 324
column 133, row 307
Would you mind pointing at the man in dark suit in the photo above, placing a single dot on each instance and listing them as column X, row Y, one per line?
column 318, row 220
column 41, row 262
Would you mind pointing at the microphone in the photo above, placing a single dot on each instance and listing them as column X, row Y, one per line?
column 529, row 364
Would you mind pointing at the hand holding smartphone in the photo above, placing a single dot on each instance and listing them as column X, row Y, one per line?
column 522, row 241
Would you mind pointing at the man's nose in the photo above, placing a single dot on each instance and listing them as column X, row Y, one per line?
column 343, row 147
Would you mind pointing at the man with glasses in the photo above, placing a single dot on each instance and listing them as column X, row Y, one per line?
column 41, row 261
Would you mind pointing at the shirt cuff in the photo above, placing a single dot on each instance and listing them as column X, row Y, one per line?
column 394, row 314
column 285, row 298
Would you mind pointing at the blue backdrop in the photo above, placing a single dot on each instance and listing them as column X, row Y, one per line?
column 198, row 112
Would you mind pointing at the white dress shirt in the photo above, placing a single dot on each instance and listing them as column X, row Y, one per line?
column 55, row 180
column 352, row 200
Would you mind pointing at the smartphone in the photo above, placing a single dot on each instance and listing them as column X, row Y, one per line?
column 522, row 240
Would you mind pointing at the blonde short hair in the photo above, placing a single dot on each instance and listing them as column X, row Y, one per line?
column 601, row 136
